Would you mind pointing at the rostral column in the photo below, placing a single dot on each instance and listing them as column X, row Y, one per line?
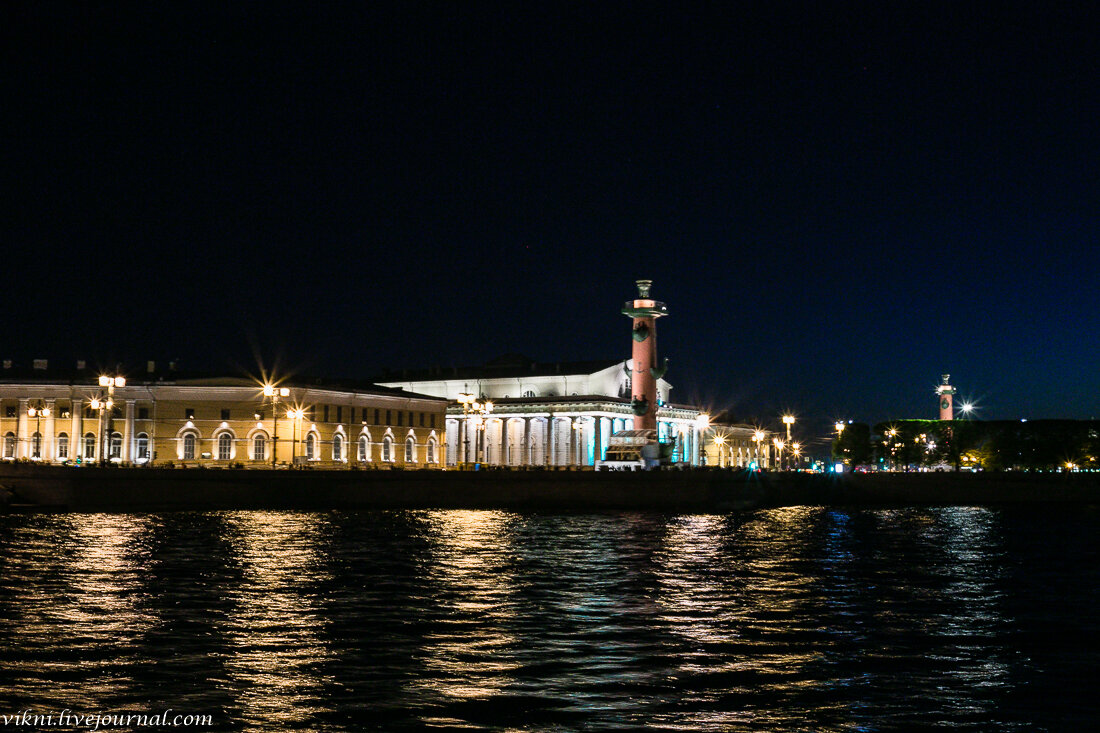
column 943, row 395
column 643, row 382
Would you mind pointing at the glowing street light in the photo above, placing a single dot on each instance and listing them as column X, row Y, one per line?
column 296, row 415
column 273, row 393
column 788, row 420
column 758, row 438
column 38, row 413
column 778, row 450
column 720, row 444
column 105, row 412
column 466, row 400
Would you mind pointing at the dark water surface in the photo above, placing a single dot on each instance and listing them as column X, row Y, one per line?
column 786, row 619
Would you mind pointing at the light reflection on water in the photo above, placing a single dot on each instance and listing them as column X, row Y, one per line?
column 785, row 619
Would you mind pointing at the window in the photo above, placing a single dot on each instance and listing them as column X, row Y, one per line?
column 311, row 446
column 363, row 450
column 430, row 457
column 339, row 413
column 259, row 447
column 225, row 446
column 401, row 418
column 387, row 448
column 116, row 446
column 324, row 414
column 387, row 417
column 142, row 447
column 189, row 447
column 63, row 446
column 433, row 419
column 189, row 413
column 337, row 448
column 422, row 419
column 351, row 414
column 377, row 412
column 143, row 413
column 9, row 445
column 89, row 446
column 410, row 450
column 529, row 393
column 64, row 413
column 225, row 414
column 36, row 445
column 9, row 411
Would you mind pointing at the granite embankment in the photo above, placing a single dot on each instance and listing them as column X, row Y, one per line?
column 28, row 487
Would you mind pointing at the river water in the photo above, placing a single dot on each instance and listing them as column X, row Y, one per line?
column 803, row 618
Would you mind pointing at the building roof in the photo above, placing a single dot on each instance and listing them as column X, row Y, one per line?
column 509, row 366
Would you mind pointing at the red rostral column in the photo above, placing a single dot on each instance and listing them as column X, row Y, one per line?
column 944, row 392
column 643, row 382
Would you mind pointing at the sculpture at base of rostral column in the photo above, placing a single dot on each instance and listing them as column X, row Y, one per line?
column 644, row 312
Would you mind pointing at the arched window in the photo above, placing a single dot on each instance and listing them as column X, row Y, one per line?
column 430, row 456
column 9, row 445
column 36, row 445
column 63, row 446
column 529, row 393
column 363, row 449
column 89, row 446
column 189, row 447
column 259, row 447
column 337, row 447
column 311, row 447
column 410, row 450
column 142, row 448
column 225, row 447
column 387, row 448
column 116, row 446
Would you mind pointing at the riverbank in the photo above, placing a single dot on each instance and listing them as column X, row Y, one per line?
column 29, row 487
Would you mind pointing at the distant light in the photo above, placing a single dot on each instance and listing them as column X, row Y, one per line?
column 1023, row 419
column 839, row 468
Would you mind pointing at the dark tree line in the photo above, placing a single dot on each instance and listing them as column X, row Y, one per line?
column 988, row 445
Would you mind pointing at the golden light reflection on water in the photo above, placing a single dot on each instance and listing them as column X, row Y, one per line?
column 83, row 601
column 274, row 631
column 466, row 655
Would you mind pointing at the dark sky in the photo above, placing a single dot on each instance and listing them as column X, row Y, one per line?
column 837, row 203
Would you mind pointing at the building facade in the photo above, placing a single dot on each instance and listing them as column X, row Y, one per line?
column 217, row 422
column 546, row 415
column 738, row 446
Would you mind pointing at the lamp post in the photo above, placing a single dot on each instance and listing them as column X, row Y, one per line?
column 778, row 451
column 274, row 393
column 38, row 412
column 296, row 416
column 105, row 412
column 720, row 444
column 483, row 409
column 465, row 399
column 757, row 438
column 796, row 451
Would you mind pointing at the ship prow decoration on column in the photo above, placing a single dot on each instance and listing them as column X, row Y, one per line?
column 943, row 395
column 644, row 312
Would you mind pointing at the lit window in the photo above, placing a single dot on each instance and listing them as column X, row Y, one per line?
column 337, row 448
column 142, row 447
column 364, row 450
column 410, row 450
column 89, row 446
column 311, row 446
column 430, row 457
column 259, row 447
column 116, row 446
column 9, row 445
column 63, row 446
column 225, row 447
column 189, row 447
column 387, row 448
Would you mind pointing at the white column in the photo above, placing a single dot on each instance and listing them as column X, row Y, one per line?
column 76, row 440
column 22, row 442
column 128, row 431
column 526, row 458
column 551, row 457
column 505, row 442
column 48, row 439
column 695, row 446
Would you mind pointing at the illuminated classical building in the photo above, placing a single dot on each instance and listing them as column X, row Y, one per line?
column 545, row 414
column 82, row 418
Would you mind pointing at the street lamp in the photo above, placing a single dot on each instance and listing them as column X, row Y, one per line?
column 788, row 420
column 483, row 409
column 757, row 438
column 720, row 444
column 274, row 393
column 778, row 451
column 796, row 451
column 38, row 413
column 466, row 400
column 105, row 410
column 296, row 416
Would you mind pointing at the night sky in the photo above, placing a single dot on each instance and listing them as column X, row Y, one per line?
column 838, row 202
